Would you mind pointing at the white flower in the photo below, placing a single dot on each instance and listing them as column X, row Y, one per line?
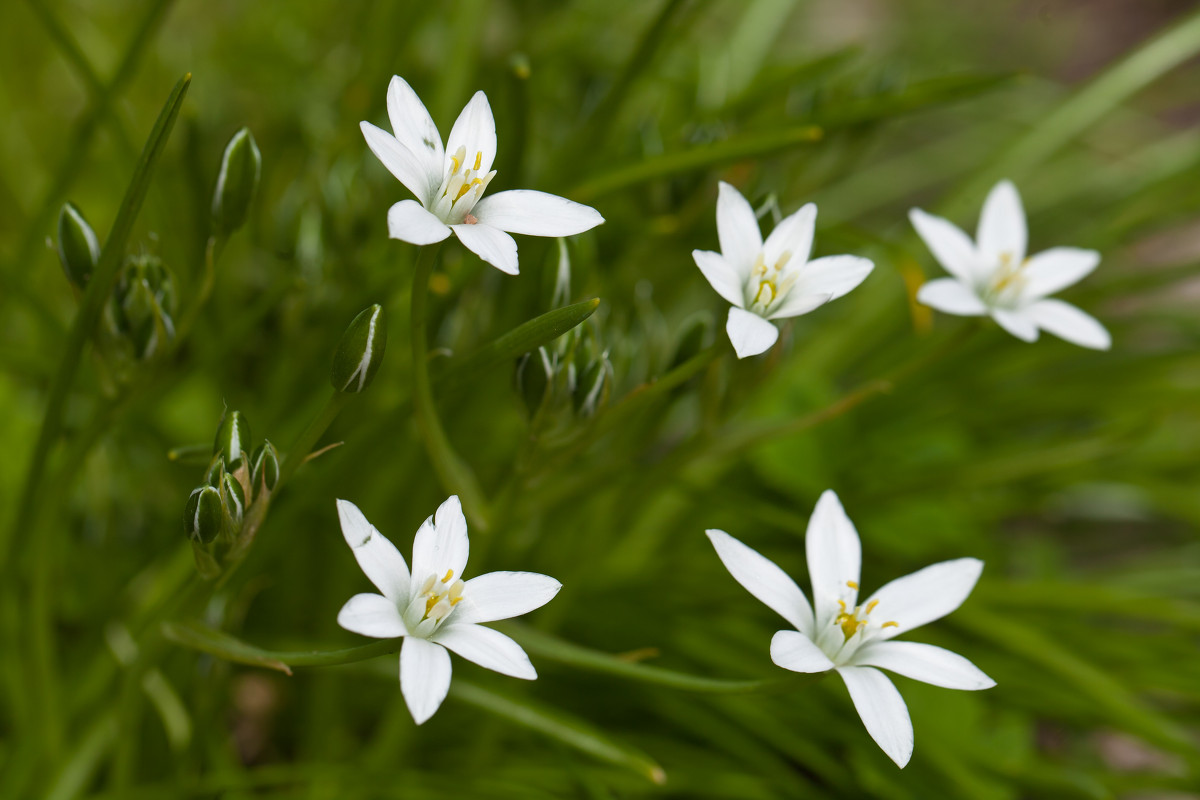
column 854, row 638
column 433, row 608
column 771, row 280
column 450, row 183
column 992, row 275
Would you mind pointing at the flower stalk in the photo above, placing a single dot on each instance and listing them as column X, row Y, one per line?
column 454, row 474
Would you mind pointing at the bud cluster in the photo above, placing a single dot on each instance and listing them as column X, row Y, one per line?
column 140, row 317
column 570, row 376
column 236, row 477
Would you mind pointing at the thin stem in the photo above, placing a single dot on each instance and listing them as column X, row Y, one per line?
column 453, row 473
column 212, row 252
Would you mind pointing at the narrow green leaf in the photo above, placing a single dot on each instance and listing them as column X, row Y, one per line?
column 557, row 725
column 550, row 648
column 95, row 297
column 709, row 155
column 524, row 338
column 1105, row 691
column 916, row 96
column 1090, row 104
column 230, row 648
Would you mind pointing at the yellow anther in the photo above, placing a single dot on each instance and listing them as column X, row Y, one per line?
column 431, row 601
column 478, row 158
column 842, row 604
column 454, row 160
column 890, row 625
column 449, row 576
column 871, row 605
column 455, row 600
column 853, row 585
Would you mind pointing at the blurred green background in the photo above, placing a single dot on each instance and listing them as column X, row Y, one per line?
column 1071, row 473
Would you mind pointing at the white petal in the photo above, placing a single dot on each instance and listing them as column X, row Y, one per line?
column 1068, row 322
column 441, row 543
column 882, row 710
column 925, row 663
column 475, row 131
column 409, row 222
column 488, row 648
column 1019, row 323
column 793, row 235
column 834, row 275
column 491, row 244
column 535, row 213
column 952, row 248
column 414, row 128
column 798, row 301
column 763, row 578
column 501, row 595
column 749, row 333
column 795, row 651
column 372, row 615
column 951, row 296
column 1002, row 224
column 834, row 555
column 377, row 557
column 424, row 676
column 1055, row 269
column 925, row 595
column 720, row 275
column 399, row 161
column 737, row 230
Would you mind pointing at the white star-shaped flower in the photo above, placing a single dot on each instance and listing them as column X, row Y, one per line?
column 773, row 279
column 433, row 608
column 854, row 638
column 450, row 183
column 993, row 276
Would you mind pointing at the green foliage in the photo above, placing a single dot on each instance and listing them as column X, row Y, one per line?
column 125, row 672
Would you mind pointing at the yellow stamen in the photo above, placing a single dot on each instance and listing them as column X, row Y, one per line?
column 478, row 158
column 871, row 606
column 890, row 625
column 449, row 576
column 431, row 601
column 853, row 585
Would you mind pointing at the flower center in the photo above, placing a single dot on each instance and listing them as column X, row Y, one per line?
column 1007, row 281
column 461, row 188
column 851, row 622
column 767, row 285
column 433, row 603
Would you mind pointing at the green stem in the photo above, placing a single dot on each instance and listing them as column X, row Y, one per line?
column 454, row 474
column 212, row 252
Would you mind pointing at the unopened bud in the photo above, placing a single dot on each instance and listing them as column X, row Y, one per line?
column 360, row 352
column 264, row 468
column 594, row 387
column 204, row 515
column 234, row 499
column 241, row 167
column 535, row 375
column 78, row 247
column 144, row 305
column 233, row 439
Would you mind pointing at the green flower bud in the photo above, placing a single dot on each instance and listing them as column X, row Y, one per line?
column 143, row 305
column 360, row 352
column 535, row 378
column 215, row 471
column 241, row 168
column 264, row 468
column 594, row 387
column 233, row 439
column 234, row 499
column 78, row 247
column 204, row 515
